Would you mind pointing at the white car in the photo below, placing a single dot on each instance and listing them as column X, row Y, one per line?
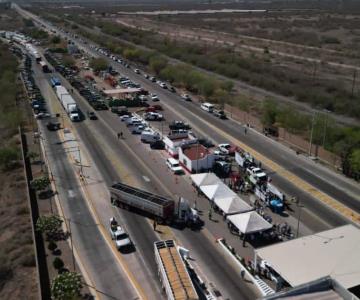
column 153, row 116
column 143, row 98
column 137, row 71
column 138, row 129
column 226, row 148
column 163, row 85
column 174, row 165
column 124, row 117
column 186, row 97
column 121, row 238
column 154, row 97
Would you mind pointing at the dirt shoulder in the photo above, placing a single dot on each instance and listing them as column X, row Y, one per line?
column 18, row 276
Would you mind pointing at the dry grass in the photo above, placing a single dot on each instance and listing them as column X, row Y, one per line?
column 18, row 278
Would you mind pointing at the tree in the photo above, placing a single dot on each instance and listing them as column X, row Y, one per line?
column 66, row 286
column 157, row 63
column 7, row 157
column 49, row 225
column 269, row 113
column 40, row 184
column 98, row 64
column 355, row 163
column 55, row 39
column 58, row 263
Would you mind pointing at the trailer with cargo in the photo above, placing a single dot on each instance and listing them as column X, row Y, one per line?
column 68, row 103
column 44, row 67
column 174, row 277
column 162, row 209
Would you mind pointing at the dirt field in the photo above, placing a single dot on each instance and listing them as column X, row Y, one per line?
column 18, row 279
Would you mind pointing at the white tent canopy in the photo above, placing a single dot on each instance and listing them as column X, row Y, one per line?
column 205, row 179
column 249, row 222
column 232, row 205
column 219, row 190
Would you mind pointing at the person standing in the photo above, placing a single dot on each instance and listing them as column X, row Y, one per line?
column 154, row 225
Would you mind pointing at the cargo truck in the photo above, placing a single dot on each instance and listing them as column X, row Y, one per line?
column 174, row 277
column 68, row 103
column 160, row 208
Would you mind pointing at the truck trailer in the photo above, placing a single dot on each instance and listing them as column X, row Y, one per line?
column 173, row 274
column 160, row 208
column 68, row 103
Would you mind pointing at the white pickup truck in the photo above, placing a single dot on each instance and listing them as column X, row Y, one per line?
column 257, row 175
column 118, row 234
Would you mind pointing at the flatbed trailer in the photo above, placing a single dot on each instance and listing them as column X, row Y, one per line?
column 174, row 277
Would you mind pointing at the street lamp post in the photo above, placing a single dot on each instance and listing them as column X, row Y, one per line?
column 311, row 133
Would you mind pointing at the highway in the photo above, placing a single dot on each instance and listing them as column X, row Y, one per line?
column 102, row 144
column 117, row 163
column 95, row 255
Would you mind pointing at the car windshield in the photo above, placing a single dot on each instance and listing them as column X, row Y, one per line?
column 175, row 165
column 121, row 236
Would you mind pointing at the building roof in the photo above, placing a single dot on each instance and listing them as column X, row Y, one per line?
column 121, row 91
column 334, row 253
column 195, row 151
column 249, row 222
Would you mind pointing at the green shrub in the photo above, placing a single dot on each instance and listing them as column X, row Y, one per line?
column 52, row 246
column 58, row 263
column 8, row 156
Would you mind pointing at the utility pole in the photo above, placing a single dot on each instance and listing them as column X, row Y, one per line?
column 311, row 133
column 325, row 127
column 353, row 83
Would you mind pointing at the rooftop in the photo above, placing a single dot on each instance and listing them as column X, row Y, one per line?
column 195, row 151
column 334, row 253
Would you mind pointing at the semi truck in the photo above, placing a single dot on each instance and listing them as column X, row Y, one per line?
column 68, row 103
column 175, row 279
column 44, row 67
column 162, row 209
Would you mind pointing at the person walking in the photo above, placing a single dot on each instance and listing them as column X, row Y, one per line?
column 154, row 225
column 121, row 134
column 210, row 214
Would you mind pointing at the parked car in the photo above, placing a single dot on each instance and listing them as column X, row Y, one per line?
column 186, row 97
column 175, row 125
column 172, row 89
column 158, row 145
column 163, row 85
column 227, row 149
column 124, row 117
column 174, row 165
column 220, row 114
column 154, row 97
column 53, row 126
column 137, row 71
column 152, row 79
column 92, row 115
column 153, row 116
column 138, row 129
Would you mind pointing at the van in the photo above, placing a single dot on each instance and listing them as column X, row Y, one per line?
column 174, row 165
column 207, row 107
column 149, row 136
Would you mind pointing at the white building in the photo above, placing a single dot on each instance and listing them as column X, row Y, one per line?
column 196, row 158
column 174, row 141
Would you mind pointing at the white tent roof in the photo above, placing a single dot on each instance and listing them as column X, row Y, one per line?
column 219, row 190
column 249, row 222
column 232, row 205
column 205, row 179
column 334, row 253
